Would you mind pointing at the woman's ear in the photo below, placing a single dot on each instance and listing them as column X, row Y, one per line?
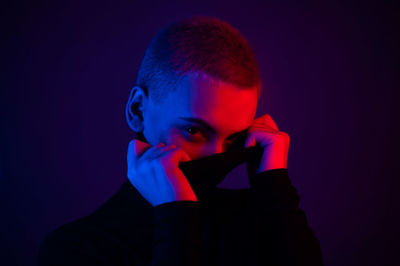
column 135, row 107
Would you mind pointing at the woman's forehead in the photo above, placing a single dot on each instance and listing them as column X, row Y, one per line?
column 201, row 91
column 216, row 101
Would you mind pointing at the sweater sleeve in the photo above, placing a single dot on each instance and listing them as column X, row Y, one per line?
column 284, row 231
column 177, row 237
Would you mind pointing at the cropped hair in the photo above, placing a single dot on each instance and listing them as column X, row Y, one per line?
column 197, row 44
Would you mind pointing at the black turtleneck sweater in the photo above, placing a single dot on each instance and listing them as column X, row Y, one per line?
column 262, row 225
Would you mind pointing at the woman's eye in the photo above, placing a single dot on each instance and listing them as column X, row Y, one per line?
column 194, row 134
column 191, row 130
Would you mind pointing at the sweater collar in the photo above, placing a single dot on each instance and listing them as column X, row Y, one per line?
column 203, row 174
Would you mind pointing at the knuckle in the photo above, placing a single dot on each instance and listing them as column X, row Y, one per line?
column 155, row 163
column 285, row 135
column 131, row 145
column 135, row 170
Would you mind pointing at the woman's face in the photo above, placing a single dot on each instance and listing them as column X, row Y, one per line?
column 203, row 116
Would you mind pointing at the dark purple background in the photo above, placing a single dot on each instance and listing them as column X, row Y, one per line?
column 329, row 82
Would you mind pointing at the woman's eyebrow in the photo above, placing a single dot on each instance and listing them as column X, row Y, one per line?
column 210, row 128
column 200, row 122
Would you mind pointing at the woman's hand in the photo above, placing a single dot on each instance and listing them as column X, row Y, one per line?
column 275, row 144
column 154, row 172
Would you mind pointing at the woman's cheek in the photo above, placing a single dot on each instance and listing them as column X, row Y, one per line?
column 176, row 138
